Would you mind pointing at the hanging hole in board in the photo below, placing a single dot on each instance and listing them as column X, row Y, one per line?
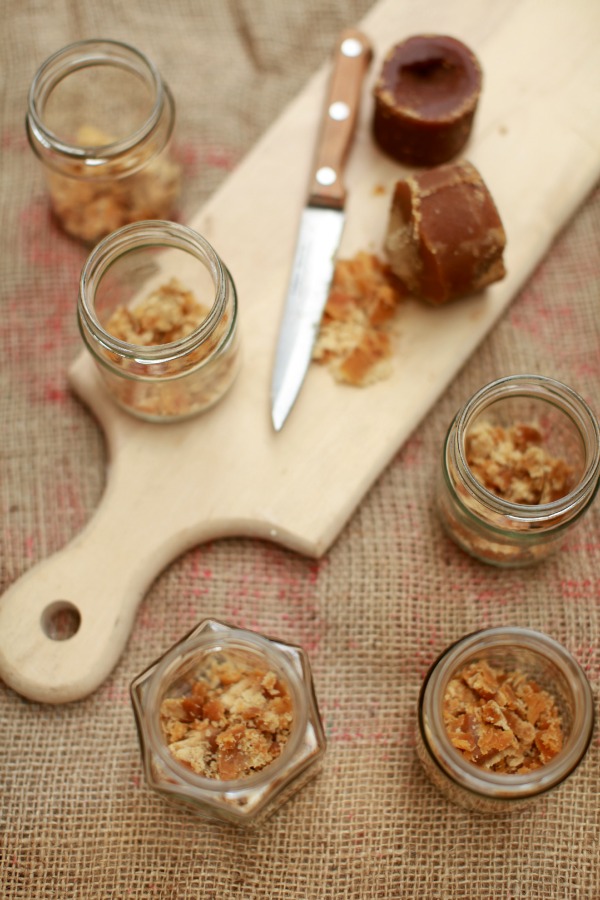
column 61, row 620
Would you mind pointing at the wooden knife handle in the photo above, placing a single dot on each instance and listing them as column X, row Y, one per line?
column 352, row 58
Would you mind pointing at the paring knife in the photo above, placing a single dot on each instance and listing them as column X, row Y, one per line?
column 321, row 225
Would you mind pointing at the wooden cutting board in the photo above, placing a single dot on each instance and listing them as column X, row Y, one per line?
column 536, row 142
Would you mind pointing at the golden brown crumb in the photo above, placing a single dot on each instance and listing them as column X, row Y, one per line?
column 353, row 341
column 501, row 721
column 90, row 208
column 167, row 314
column 513, row 464
column 235, row 720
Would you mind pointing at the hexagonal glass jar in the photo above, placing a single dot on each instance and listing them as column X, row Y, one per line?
column 540, row 659
column 250, row 799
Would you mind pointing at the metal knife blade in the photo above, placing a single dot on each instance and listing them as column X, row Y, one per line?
column 321, row 225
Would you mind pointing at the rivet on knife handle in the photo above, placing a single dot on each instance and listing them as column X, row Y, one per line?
column 352, row 58
column 321, row 226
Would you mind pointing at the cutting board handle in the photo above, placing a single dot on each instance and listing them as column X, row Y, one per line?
column 94, row 586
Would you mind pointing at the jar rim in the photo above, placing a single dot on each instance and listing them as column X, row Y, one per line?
column 497, row 784
column 72, row 58
column 549, row 390
column 223, row 640
column 155, row 233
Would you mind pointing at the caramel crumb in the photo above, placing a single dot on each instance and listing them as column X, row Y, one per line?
column 353, row 339
column 90, row 208
column 235, row 720
column 169, row 313
column 501, row 721
column 513, row 464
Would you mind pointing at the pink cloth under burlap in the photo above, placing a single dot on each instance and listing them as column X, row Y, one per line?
column 76, row 818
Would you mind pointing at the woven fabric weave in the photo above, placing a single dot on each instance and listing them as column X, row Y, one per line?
column 76, row 819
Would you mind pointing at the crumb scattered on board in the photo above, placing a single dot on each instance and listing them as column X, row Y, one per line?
column 354, row 339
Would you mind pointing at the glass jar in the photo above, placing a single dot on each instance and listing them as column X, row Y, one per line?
column 100, row 119
column 173, row 764
column 539, row 658
column 157, row 310
column 520, row 466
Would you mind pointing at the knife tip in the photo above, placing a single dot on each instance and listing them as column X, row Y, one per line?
column 277, row 421
column 279, row 414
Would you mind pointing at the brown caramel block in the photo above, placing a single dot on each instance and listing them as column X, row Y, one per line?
column 445, row 238
column 425, row 99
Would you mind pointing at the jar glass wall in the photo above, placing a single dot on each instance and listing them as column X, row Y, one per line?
column 537, row 658
column 228, row 723
column 100, row 119
column 520, row 466
column 157, row 311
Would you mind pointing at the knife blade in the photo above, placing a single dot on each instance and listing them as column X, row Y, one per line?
column 321, row 225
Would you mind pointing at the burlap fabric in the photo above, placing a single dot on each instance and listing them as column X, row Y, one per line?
column 76, row 819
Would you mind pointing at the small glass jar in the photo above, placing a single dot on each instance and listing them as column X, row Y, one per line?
column 157, row 310
column 540, row 659
column 100, row 119
column 245, row 800
column 495, row 529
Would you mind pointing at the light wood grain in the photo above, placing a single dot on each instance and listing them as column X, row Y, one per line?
column 536, row 142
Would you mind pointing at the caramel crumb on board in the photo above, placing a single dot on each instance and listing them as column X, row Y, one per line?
column 167, row 314
column 354, row 340
column 501, row 721
column 235, row 720
column 513, row 464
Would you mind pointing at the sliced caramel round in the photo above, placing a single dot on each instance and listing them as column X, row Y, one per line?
column 445, row 238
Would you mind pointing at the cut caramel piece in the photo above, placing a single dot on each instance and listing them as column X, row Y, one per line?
column 445, row 238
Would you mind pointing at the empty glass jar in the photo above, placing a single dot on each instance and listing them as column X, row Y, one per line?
column 520, row 466
column 228, row 723
column 100, row 119
column 157, row 311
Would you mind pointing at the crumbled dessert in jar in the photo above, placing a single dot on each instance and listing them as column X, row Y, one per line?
column 501, row 721
column 170, row 313
column 354, row 339
column 513, row 464
column 234, row 721
column 90, row 206
column 167, row 314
